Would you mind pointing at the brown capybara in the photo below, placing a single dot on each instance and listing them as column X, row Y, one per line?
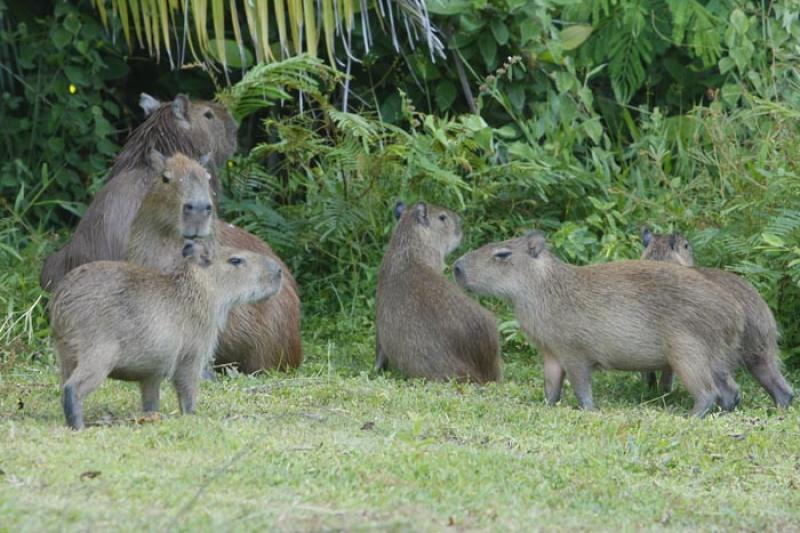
column 192, row 128
column 427, row 327
column 119, row 320
column 258, row 336
column 626, row 315
column 758, row 351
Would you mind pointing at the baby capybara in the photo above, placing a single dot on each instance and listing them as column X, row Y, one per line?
column 115, row 319
column 426, row 326
column 625, row 315
column 758, row 351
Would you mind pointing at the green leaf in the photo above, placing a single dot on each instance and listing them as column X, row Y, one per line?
column 773, row 240
column 448, row 7
column 488, row 48
column 529, row 29
column 574, row 36
column 76, row 75
column 446, row 92
column 739, row 21
column 233, row 58
column 72, row 23
column 516, row 95
column 500, row 31
column 61, row 37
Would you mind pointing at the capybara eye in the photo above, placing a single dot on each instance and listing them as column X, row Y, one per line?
column 442, row 217
column 502, row 254
column 165, row 178
column 209, row 115
column 236, row 261
column 686, row 246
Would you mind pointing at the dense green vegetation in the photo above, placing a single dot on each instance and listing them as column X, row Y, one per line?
column 584, row 119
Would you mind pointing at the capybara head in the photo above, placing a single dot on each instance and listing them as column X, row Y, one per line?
column 662, row 247
column 500, row 269
column 428, row 226
column 192, row 128
column 182, row 192
column 238, row 275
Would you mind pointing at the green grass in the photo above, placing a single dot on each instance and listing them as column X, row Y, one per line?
column 332, row 446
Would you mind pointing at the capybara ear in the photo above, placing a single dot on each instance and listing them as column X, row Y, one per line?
column 180, row 110
column 157, row 161
column 646, row 237
column 673, row 239
column 421, row 213
column 399, row 208
column 148, row 104
column 536, row 243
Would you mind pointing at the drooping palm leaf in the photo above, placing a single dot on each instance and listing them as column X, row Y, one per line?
column 303, row 26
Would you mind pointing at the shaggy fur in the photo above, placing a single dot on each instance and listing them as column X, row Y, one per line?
column 758, row 351
column 192, row 128
column 119, row 320
column 426, row 327
column 626, row 315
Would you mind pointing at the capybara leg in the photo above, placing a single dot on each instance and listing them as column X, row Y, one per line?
column 73, row 407
column 765, row 370
column 67, row 368
column 689, row 358
column 380, row 358
column 666, row 382
column 80, row 384
column 553, row 378
column 729, row 396
column 580, row 377
column 186, row 381
column 650, row 379
column 151, row 394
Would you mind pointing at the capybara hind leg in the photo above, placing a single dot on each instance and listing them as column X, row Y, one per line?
column 380, row 357
column 151, row 394
column 765, row 370
column 690, row 359
column 580, row 377
column 66, row 368
column 553, row 378
column 73, row 407
column 81, row 383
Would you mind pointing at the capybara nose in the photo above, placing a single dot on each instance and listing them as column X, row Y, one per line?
column 458, row 269
column 204, row 207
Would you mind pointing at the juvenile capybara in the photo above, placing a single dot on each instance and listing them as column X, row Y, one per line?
column 758, row 351
column 192, row 128
column 119, row 320
column 427, row 327
column 258, row 336
column 625, row 315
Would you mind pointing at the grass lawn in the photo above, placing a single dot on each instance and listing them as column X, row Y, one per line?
column 332, row 446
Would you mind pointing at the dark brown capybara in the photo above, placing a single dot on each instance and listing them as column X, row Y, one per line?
column 120, row 320
column 258, row 336
column 427, row 327
column 758, row 351
column 192, row 128
column 625, row 315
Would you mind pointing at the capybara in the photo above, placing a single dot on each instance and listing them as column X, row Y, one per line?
column 758, row 351
column 426, row 326
column 625, row 315
column 258, row 336
column 192, row 128
column 119, row 320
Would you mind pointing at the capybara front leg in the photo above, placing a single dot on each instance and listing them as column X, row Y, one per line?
column 151, row 394
column 186, row 381
column 553, row 378
column 580, row 377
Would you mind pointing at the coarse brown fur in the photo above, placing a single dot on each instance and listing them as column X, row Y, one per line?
column 119, row 320
column 427, row 327
column 758, row 351
column 192, row 128
column 259, row 336
column 625, row 315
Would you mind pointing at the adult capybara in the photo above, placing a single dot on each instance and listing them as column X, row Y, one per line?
column 192, row 128
column 119, row 320
column 258, row 336
column 626, row 315
column 427, row 327
column 758, row 351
